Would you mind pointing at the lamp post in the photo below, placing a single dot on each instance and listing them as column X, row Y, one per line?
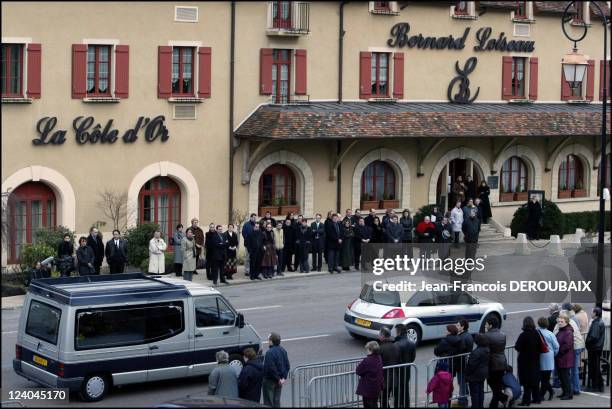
column 574, row 67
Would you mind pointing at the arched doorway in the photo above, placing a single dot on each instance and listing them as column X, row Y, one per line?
column 448, row 176
column 31, row 207
column 277, row 188
column 571, row 178
column 159, row 201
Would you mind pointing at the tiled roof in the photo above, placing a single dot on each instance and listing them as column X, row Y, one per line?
column 330, row 120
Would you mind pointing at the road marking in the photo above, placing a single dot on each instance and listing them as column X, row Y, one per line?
column 260, row 308
column 8, row 332
column 301, row 338
column 518, row 312
column 595, row 394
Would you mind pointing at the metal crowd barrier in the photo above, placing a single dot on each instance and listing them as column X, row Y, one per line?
column 400, row 388
column 301, row 376
column 455, row 365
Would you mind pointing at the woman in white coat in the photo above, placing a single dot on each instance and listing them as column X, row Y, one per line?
column 157, row 246
column 457, row 221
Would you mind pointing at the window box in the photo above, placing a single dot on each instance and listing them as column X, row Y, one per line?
column 579, row 193
column 506, row 197
column 369, row 204
column 272, row 209
column 389, row 204
column 284, row 210
column 16, row 100
column 521, row 197
column 565, row 194
column 98, row 100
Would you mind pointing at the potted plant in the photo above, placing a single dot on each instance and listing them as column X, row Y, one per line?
column 289, row 208
column 389, row 202
column 579, row 191
column 268, row 206
column 368, row 202
column 564, row 192
column 507, row 196
column 520, row 195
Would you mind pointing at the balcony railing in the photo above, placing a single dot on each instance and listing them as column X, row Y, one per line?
column 289, row 99
column 288, row 17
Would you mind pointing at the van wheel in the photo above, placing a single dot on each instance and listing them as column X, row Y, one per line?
column 414, row 333
column 94, row 388
column 236, row 361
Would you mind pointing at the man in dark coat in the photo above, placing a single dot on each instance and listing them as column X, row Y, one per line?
column 65, row 252
column 471, row 231
column 94, row 240
column 477, row 370
column 297, row 225
column 391, row 355
column 363, row 235
column 333, row 240
column 553, row 308
column 198, row 237
column 289, row 243
column 116, row 253
column 470, row 187
column 407, row 355
column 304, row 243
column 594, row 344
column 267, row 219
column 276, row 370
column 529, row 347
column 251, row 376
column 467, row 344
column 254, row 245
column 209, row 245
column 534, row 218
column 247, row 228
column 318, row 242
column 218, row 248
column 497, row 360
column 369, row 219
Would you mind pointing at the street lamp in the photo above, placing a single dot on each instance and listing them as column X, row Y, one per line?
column 574, row 67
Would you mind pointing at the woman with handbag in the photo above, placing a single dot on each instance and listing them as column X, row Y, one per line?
column 547, row 357
column 157, row 261
column 232, row 249
column 529, row 347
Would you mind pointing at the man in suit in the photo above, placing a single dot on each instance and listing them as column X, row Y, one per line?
column 209, row 246
column 288, row 244
column 255, row 246
column 333, row 240
column 348, row 215
column 116, row 253
column 296, row 229
column 247, row 228
column 363, row 235
column 95, row 242
column 318, row 242
column 218, row 246
column 369, row 220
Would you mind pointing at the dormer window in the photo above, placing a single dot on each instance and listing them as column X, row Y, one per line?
column 521, row 10
column 461, row 8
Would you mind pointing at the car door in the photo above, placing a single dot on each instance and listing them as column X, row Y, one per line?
column 168, row 341
column 422, row 306
column 455, row 305
column 214, row 330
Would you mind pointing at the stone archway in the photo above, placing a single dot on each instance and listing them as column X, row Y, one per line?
column 530, row 158
column 586, row 156
column 457, row 153
column 400, row 166
column 300, row 168
column 190, row 193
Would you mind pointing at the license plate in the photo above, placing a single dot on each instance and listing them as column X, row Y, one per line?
column 363, row 323
column 40, row 361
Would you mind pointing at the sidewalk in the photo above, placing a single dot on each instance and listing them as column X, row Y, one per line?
column 11, row 303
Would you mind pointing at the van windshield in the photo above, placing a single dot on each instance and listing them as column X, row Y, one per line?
column 389, row 298
column 43, row 322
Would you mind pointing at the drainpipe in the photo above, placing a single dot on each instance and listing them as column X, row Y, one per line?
column 231, row 114
column 338, row 177
column 340, row 49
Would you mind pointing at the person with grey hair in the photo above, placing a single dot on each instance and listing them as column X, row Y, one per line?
column 371, row 378
column 553, row 309
column 223, row 380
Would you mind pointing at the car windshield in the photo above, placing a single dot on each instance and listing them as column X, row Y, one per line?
column 389, row 298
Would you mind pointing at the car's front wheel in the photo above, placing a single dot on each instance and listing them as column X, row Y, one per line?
column 94, row 387
column 414, row 333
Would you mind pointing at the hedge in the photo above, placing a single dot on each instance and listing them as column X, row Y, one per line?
column 589, row 221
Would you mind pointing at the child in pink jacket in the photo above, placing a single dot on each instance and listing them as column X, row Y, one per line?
column 441, row 385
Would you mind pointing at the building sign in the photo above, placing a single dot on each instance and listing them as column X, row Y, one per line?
column 86, row 132
column 463, row 94
column 484, row 40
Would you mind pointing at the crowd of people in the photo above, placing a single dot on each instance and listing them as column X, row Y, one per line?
column 551, row 348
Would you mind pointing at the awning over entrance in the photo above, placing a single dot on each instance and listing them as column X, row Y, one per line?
column 357, row 120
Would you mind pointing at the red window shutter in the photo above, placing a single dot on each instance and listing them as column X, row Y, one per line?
column 300, row 72
column 122, row 71
column 265, row 71
column 590, row 80
column 204, row 72
column 506, row 78
column 79, row 70
column 365, row 75
column 604, row 82
column 164, row 71
column 34, row 61
column 533, row 78
column 398, row 75
column 566, row 91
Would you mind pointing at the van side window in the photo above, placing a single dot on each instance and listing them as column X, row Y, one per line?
column 43, row 321
column 212, row 312
column 128, row 325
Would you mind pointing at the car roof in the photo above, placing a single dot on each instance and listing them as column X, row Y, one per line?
column 115, row 288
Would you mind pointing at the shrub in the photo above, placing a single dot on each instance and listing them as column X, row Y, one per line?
column 554, row 220
column 138, row 244
column 422, row 212
column 52, row 236
column 589, row 221
column 14, row 281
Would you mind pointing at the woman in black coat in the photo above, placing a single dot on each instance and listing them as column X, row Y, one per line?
column 377, row 231
column 232, row 248
column 529, row 347
column 85, row 258
column 483, row 193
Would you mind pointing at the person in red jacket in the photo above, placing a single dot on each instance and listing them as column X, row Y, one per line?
column 441, row 385
column 370, row 372
column 426, row 232
column 565, row 356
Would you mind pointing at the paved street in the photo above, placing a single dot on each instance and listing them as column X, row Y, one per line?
column 307, row 312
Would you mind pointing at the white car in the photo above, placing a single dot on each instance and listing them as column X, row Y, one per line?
column 425, row 313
